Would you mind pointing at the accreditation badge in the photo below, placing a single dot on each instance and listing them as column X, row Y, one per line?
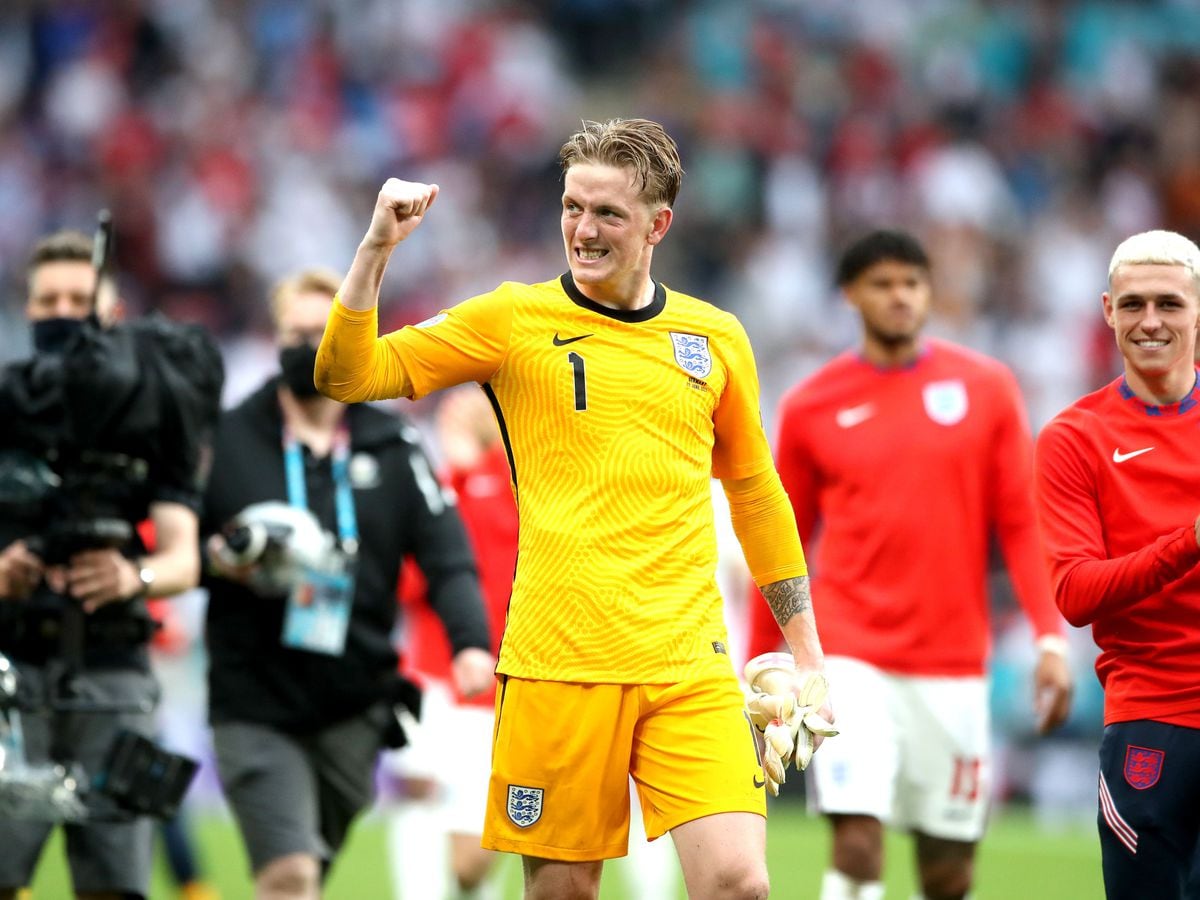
column 318, row 612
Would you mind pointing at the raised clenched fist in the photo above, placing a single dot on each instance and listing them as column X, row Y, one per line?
column 399, row 209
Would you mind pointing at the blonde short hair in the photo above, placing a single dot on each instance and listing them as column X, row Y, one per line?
column 638, row 144
column 306, row 281
column 1161, row 248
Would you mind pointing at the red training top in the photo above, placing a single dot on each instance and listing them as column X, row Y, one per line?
column 910, row 471
column 489, row 512
column 1118, row 490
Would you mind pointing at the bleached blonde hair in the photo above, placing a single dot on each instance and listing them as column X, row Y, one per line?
column 1161, row 248
column 638, row 144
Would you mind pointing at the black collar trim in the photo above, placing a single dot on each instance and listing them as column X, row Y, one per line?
column 645, row 314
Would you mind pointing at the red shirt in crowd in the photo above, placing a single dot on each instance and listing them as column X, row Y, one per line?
column 1118, row 490
column 489, row 512
column 904, row 474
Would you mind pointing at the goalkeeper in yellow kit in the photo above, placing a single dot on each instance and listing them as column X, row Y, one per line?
column 618, row 399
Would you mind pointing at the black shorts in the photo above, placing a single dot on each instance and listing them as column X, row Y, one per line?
column 1149, row 810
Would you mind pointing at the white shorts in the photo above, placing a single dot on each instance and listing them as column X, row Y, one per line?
column 912, row 752
column 452, row 746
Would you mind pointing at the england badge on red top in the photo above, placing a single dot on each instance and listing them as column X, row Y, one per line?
column 945, row 401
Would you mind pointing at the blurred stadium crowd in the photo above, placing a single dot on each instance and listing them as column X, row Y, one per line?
column 239, row 139
column 236, row 140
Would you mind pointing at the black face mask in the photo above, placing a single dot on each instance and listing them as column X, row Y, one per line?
column 297, row 364
column 53, row 335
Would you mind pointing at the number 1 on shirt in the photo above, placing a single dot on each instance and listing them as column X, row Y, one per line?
column 576, row 362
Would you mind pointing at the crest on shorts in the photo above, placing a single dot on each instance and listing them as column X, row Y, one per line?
column 1143, row 766
column 524, row 804
column 691, row 352
column 945, row 401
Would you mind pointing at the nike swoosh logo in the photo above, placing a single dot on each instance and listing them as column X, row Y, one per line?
column 561, row 342
column 758, row 784
column 855, row 415
column 1119, row 457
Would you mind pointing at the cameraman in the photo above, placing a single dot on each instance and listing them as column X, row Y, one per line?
column 107, row 859
column 298, row 723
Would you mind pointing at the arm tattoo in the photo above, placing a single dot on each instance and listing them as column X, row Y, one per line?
column 788, row 597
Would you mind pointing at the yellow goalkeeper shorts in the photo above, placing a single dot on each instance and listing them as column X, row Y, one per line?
column 563, row 753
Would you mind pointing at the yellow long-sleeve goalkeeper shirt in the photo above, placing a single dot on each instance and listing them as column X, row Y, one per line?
column 614, row 422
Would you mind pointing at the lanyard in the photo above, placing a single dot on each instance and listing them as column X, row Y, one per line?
column 293, row 459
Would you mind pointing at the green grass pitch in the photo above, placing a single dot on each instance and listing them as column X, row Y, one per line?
column 1017, row 861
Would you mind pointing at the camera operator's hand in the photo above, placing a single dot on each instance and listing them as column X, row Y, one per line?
column 221, row 561
column 96, row 577
column 20, row 571
column 474, row 671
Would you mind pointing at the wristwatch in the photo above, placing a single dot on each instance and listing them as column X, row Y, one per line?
column 145, row 576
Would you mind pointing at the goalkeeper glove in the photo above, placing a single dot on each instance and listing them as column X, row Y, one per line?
column 785, row 706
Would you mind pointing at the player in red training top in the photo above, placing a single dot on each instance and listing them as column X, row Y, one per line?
column 904, row 456
column 1118, row 485
column 445, row 771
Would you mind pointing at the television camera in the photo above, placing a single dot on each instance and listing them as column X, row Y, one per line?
column 91, row 432
column 138, row 778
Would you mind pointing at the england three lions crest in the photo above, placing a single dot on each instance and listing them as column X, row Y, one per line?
column 524, row 804
column 945, row 401
column 1143, row 766
column 691, row 352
